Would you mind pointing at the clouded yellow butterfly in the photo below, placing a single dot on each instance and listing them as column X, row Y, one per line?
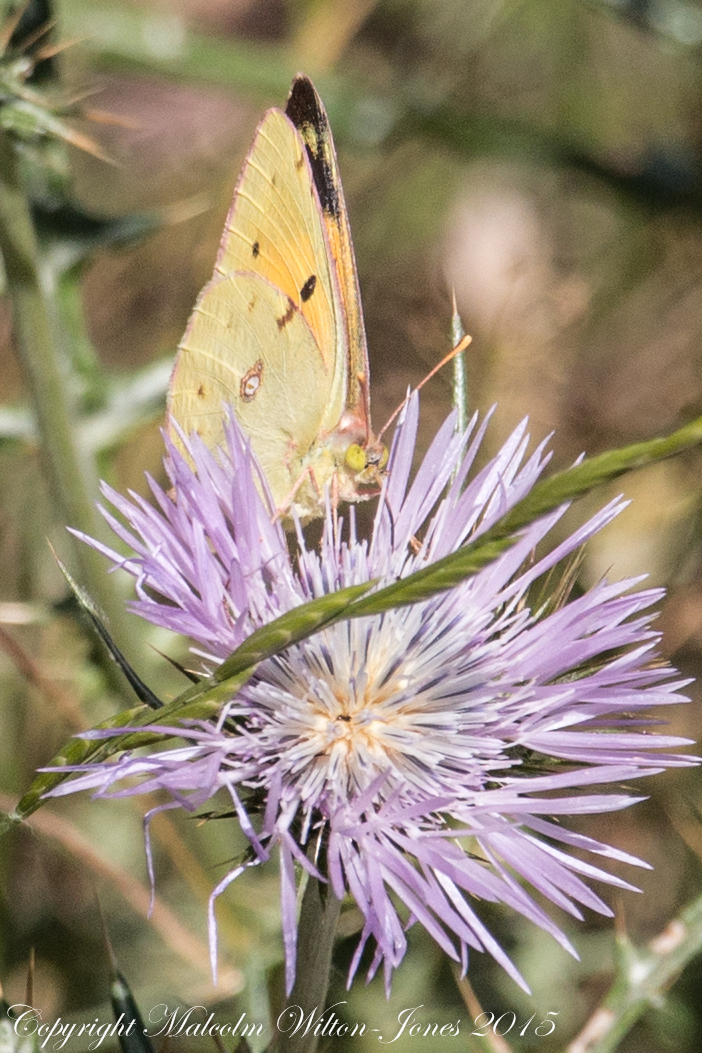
column 278, row 332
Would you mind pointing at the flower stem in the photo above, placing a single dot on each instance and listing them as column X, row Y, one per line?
column 71, row 477
column 643, row 977
column 319, row 915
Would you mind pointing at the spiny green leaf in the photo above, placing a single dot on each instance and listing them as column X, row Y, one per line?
column 75, row 751
column 592, row 472
column 438, row 577
column 199, row 702
column 141, row 690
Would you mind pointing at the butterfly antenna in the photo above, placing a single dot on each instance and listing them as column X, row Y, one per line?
column 363, row 385
column 461, row 346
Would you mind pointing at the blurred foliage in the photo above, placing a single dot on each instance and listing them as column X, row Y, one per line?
column 544, row 159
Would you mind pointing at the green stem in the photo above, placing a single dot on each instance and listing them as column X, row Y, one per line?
column 71, row 477
column 644, row 977
column 84, row 362
column 315, row 941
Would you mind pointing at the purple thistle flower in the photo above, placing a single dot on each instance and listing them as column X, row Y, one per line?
column 415, row 746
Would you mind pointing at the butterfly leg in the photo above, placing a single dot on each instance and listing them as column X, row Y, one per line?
column 287, row 502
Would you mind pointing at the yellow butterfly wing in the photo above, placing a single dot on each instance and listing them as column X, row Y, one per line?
column 304, row 339
column 248, row 346
column 274, row 229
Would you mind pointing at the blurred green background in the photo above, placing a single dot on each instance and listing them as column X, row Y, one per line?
column 541, row 157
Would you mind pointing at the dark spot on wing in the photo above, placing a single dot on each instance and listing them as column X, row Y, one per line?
column 201, row 391
column 274, row 180
column 255, row 249
column 287, row 317
column 308, row 288
column 300, row 162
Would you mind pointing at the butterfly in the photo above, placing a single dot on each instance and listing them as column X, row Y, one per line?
column 278, row 332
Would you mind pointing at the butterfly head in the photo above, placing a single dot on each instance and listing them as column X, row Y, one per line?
column 360, row 474
column 366, row 462
column 350, row 461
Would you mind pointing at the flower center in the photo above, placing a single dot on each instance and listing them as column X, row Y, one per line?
column 350, row 728
column 358, row 730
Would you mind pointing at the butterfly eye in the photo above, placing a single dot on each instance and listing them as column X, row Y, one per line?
column 377, row 456
column 356, row 457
